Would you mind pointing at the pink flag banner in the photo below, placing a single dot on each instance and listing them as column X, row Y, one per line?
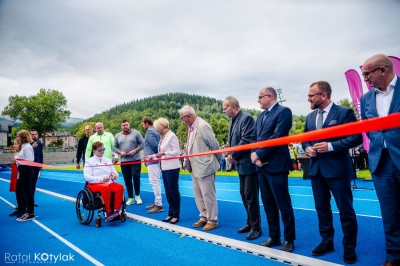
column 356, row 91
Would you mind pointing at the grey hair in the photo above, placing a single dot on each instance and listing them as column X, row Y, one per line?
column 187, row 110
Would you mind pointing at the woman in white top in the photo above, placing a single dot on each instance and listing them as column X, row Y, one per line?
column 100, row 174
column 169, row 147
column 25, row 184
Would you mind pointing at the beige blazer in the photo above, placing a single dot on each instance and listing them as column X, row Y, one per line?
column 203, row 140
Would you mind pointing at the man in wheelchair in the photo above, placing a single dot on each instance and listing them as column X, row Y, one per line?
column 100, row 173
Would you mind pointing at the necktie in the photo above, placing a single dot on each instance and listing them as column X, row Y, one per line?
column 264, row 117
column 320, row 118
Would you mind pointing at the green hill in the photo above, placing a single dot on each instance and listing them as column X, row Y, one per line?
column 167, row 106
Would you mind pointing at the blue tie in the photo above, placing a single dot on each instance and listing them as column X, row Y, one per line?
column 320, row 119
column 264, row 117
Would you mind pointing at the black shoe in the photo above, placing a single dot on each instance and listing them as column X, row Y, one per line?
column 350, row 256
column 288, row 246
column 174, row 222
column 169, row 218
column 244, row 229
column 15, row 213
column 322, row 249
column 271, row 243
column 254, row 234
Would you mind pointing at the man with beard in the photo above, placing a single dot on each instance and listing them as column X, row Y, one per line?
column 128, row 144
column 331, row 170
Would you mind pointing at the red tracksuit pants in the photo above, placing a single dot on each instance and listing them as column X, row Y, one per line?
column 106, row 191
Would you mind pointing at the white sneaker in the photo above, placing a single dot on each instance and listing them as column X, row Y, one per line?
column 138, row 200
column 130, row 201
column 26, row 217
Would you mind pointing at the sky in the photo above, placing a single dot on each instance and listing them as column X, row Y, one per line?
column 101, row 53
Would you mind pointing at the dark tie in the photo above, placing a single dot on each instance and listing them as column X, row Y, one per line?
column 264, row 117
column 320, row 118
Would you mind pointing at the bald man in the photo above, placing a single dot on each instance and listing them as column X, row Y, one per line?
column 104, row 137
column 384, row 151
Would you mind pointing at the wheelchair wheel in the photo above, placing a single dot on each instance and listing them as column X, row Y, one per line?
column 85, row 206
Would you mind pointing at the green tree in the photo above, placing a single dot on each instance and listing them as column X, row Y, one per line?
column 346, row 102
column 44, row 111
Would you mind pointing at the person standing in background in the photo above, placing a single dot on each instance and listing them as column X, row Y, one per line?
column 80, row 153
column 128, row 144
column 38, row 152
column 104, row 137
column 151, row 141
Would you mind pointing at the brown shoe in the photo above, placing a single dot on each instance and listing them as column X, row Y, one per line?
column 199, row 223
column 151, row 206
column 210, row 226
column 155, row 209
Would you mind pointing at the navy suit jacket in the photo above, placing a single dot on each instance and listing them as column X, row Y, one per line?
column 391, row 136
column 38, row 152
column 277, row 124
column 241, row 131
column 337, row 163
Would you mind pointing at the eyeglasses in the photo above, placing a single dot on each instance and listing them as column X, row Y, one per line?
column 312, row 95
column 260, row 97
column 366, row 74
column 183, row 117
column 101, row 150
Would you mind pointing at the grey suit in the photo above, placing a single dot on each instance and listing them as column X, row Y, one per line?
column 203, row 169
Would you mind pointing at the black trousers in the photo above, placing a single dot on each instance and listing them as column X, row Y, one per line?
column 274, row 188
column 249, row 191
column 36, row 172
column 25, row 185
column 341, row 191
column 131, row 172
column 171, row 187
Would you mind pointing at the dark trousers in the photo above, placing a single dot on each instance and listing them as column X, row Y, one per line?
column 171, row 187
column 305, row 166
column 249, row 192
column 131, row 172
column 341, row 191
column 387, row 184
column 36, row 172
column 275, row 196
column 25, row 185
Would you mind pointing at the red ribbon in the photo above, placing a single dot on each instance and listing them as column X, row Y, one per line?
column 358, row 127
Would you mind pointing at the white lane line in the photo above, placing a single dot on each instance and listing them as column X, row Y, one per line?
column 63, row 240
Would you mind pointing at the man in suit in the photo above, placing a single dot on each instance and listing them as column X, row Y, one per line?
column 331, row 170
column 201, row 138
column 80, row 153
column 273, row 165
column 384, row 151
column 241, row 131
column 37, row 146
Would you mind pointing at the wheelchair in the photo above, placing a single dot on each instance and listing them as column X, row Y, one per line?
column 88, row 202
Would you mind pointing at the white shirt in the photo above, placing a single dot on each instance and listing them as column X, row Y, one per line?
column 384, row 98
column 96, row 168
column 169, row 144
column 26, row 153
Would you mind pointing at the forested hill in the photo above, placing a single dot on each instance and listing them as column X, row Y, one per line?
column 168, row 106
column 165, row 105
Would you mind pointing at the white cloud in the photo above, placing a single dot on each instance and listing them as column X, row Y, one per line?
column 102, row 53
